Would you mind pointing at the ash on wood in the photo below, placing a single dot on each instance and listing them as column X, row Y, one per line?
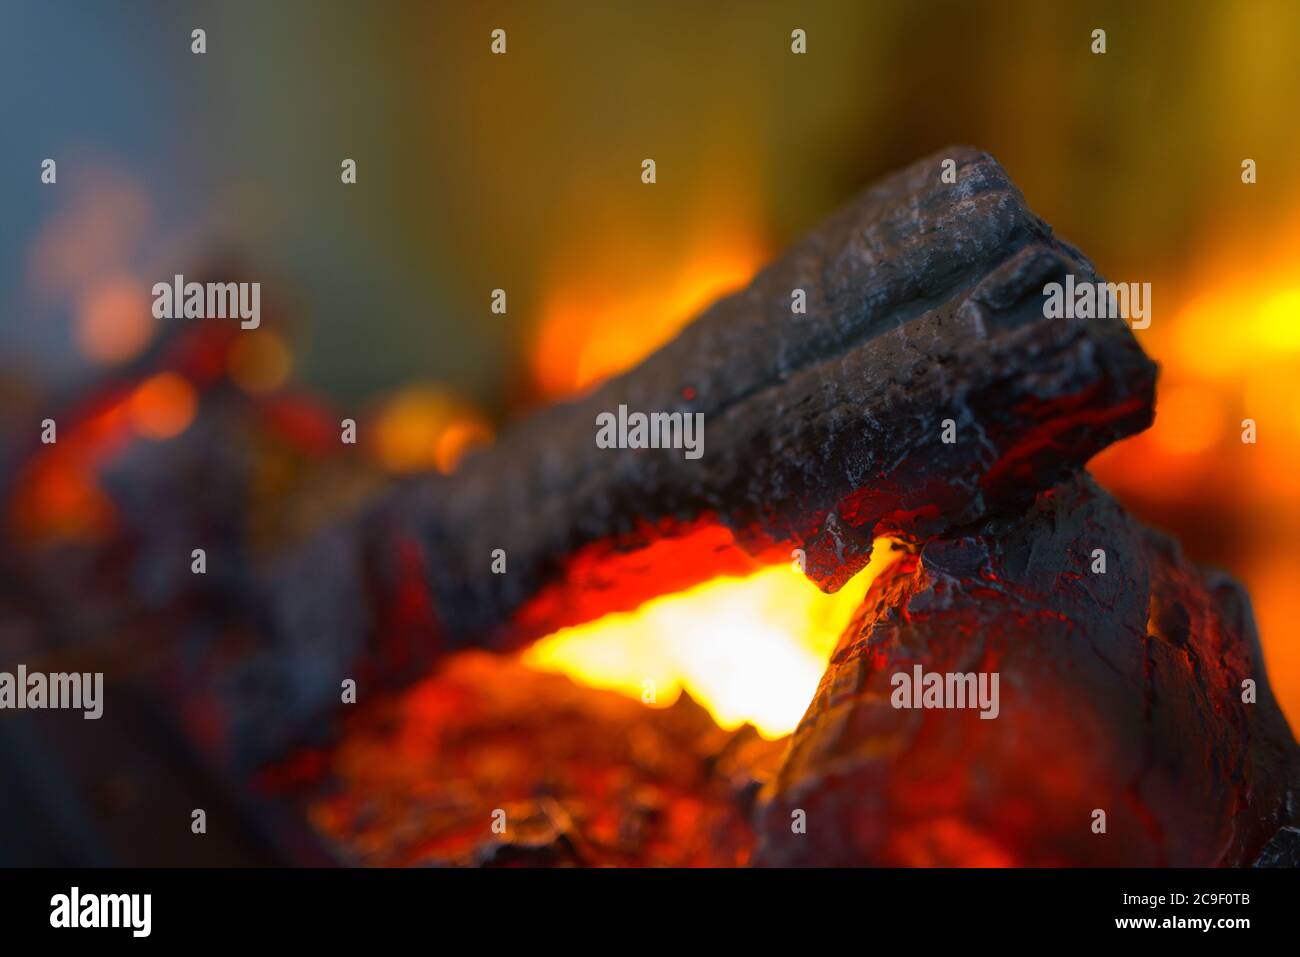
column 822, row 431
column 1120, row 692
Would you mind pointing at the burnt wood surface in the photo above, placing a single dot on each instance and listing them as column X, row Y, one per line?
column 1119, row 691
column 822, row 431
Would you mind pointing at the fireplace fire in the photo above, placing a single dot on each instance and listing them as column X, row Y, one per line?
column 563, row 651
column 750, row 649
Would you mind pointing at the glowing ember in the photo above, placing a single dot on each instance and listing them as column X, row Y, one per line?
column 163, row 406
column 749, row 649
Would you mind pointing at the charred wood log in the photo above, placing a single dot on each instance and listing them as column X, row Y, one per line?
column 1135, row 724
column 822, row 431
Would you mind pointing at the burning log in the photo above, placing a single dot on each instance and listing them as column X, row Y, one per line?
column 1135, row 724
column 922, row 389
column 490, row 763
column 823, row 430
column 924, row 395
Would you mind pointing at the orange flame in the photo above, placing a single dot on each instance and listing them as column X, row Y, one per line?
column 163, row 406
column 593, row 329
column 749, row 649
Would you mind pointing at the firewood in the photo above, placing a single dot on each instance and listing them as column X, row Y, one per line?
column 1135, row 724
column 923, row 389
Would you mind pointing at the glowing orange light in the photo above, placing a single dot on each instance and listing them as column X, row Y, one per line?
column 1189, row 419
column 457, row 439
column 163, row 406
column 591, row 331
column 259, row 362
column 57, row 498
column 426, row 427
column 748, row 649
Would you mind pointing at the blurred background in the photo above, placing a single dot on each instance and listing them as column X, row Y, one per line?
column 522, row 172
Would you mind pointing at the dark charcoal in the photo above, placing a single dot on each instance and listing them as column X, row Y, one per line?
column 821, row 432
column 1283, row 850
column 1119, row 691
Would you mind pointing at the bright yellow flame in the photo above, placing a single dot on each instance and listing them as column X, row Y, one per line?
column 1277, row 322
column 748, row 649
column 1226, row 332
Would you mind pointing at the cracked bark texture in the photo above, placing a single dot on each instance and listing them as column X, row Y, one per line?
column 822, row 431
column 1119, row 692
